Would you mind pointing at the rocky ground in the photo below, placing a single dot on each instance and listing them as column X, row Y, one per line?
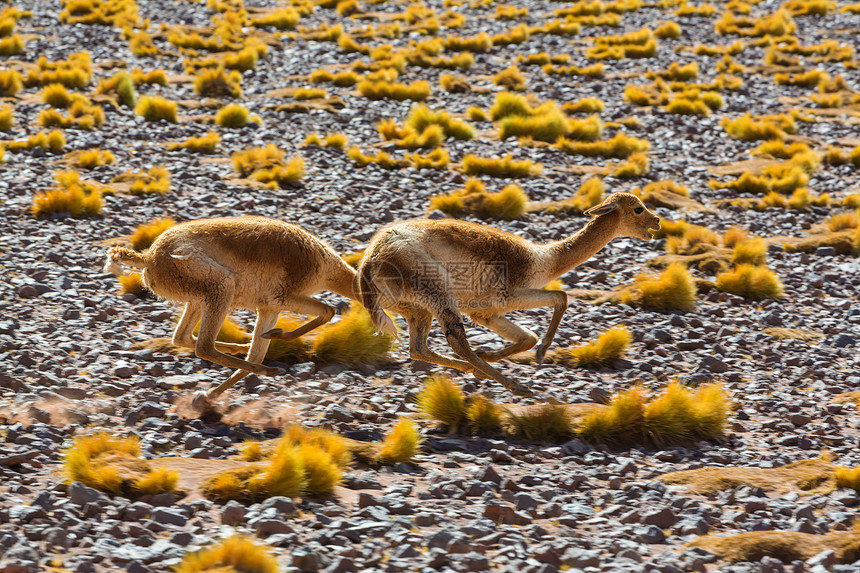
column 69, row 365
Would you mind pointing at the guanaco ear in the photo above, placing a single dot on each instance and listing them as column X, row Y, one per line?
column 601, row 209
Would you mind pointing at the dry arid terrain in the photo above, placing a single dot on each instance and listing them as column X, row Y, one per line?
column 737, row 122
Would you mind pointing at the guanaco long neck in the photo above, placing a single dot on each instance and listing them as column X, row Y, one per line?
column 582, row 245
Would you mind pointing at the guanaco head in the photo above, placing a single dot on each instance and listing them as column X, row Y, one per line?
column 636, row 220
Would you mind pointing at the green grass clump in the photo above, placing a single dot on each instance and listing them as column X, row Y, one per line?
column 217, row 82
column 113, row 465
column 544, row 423
column 442, row 400
column 500, row 166
column 352, row 340
column 156, row 108
column 71, row 195
column 400, row 444
column 235, row 554
column 145, row 234
column 608, row 346
column 750, row 281
column 207, row 143
column 674, row 289
column 233, row 115
column 483, row 417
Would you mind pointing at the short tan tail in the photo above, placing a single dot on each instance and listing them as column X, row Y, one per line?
column 369, row 296
column 118, row 256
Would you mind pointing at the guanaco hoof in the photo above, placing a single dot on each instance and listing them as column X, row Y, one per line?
column 540, row 353
column 279, row 334
column 202, row 403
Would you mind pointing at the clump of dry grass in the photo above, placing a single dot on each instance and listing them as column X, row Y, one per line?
column 156, row 108
column 673, row 289
column 207, row 143
column 113, row 465
column 217, row 82
column 234, row 115
column 154, row 180
column 511, row 78
column 90, row 158
column 606, row 348
column 483, row 417
column 303, row 462
column 145, row 234
column 416, row 91
column 400, row 444
column 234, row 554
column 750, row 281
column 543, row 423
column 676, row 416
column 786, row 546
column 268, row 165
column 620, row 146
column 750, row 128
column 70, row 195
column 352, row 340
column 505, row 166
column 132, row 283
column 443, row 400
column 509, row 203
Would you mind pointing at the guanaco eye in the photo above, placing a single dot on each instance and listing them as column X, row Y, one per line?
column 638, row 210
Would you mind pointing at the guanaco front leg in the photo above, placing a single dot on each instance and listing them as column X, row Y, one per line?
column 302, row 305
column 522, row 339
column 266, row 319
column 534, row 298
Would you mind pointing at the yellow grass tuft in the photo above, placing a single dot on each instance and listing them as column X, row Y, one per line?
column 620, row 146
column 511, row 79
column 251, row 451
column 113, row 465
column 637, row 165
column 207, row 143
column 233, row 115
column 848, row 478
column 70, row 195
column 10, row 82
column 268, row 165
column 234, row 554
column 608, row 346
column 841, row 221
column 585, row 105
column 7, row 117
column 442, row 400
column 156, row 108
column 321, row 469
column 144, row 235
column 352, row 340
column 750, row 128
column 91, row 158
column 509, row 203
column 677, row 416
column 674, row 289
column 752, row 282
column 543, row 423
column 401, row 443
column 154, row 180
column 483, row 416
column 751, row 250
column 416, row 91
column 132, row 283
column 500, row 166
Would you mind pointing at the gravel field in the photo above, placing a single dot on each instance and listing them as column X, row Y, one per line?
column 71, row 361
